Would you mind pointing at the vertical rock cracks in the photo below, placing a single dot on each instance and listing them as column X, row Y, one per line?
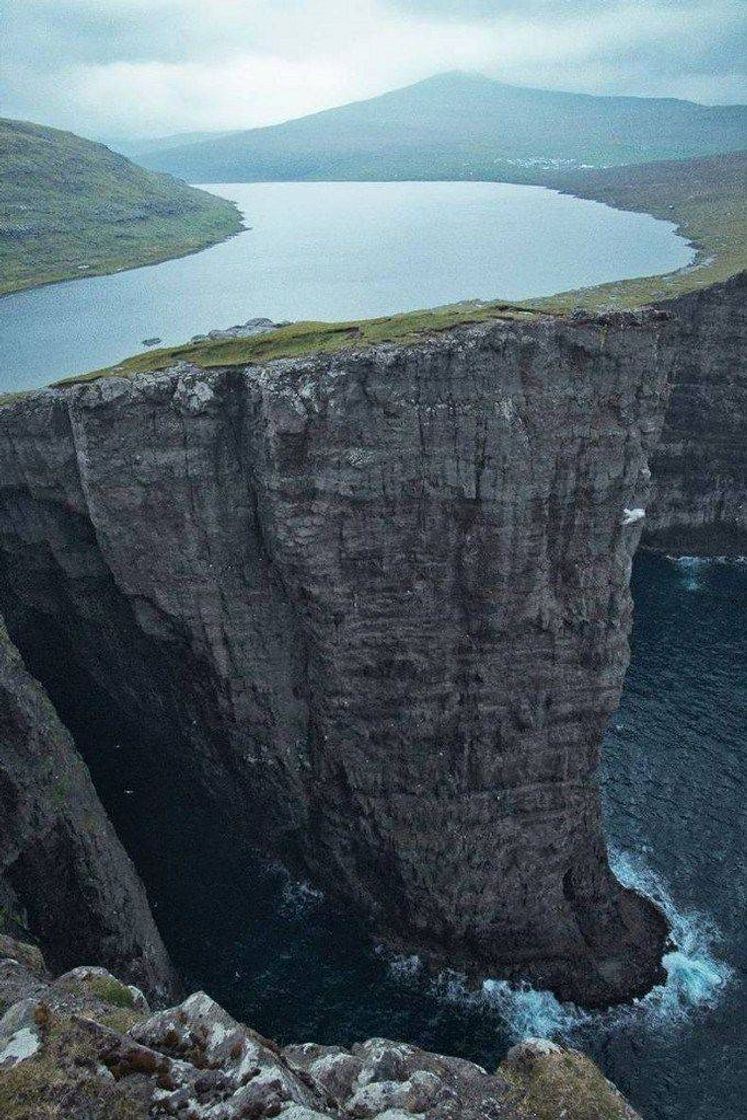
column 374, row 608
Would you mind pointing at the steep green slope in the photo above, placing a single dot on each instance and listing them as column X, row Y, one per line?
column 69, row 207
column 460, row 126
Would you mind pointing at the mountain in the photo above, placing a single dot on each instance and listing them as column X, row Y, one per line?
column 71, row 207
column 137, row 148
column 459, row 126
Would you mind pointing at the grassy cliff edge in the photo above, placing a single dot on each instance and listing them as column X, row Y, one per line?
column 702, row 197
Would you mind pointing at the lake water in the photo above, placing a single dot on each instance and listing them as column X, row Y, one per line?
column 336, row 251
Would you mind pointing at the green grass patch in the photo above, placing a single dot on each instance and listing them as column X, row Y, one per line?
column 60, row 1082
column 72, row 208
column 704, row 198
column 110, row 990
column 567, row 1084
column 299, row 339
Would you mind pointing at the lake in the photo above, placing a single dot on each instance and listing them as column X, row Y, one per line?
column 336, row 251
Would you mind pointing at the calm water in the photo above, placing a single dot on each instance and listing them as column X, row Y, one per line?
column 286, row 961
column 336, row 251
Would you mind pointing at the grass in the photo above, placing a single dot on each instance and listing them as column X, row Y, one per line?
column 566, row 1084
column 110, row 990
column 703, row 197
column 105, row 988
column 72, row 208
column 60, row 1082
column 299, row 339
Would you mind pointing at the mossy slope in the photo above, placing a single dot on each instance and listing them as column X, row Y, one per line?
column 704, row 198
column 71, row 208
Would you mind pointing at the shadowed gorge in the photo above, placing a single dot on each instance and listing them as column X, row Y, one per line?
column 63, row 872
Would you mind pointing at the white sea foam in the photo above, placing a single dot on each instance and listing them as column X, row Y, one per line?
column 405, row 967
column 300, row 897
column 684, row 561
column 692, row 569
column 530, row 1012
column 695, row 977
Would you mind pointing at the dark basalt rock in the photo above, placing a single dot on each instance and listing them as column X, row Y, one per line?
column 700, row 463
column 62, row 869
column 376, row 604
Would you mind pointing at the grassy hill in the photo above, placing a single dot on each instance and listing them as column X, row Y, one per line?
column 69, row 207
column 459, row 126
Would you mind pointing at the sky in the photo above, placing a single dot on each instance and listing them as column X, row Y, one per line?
column 134, row 68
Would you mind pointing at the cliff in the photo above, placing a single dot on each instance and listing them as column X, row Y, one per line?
column 62, row 869
column 85, row 1047
column 699, row 467
column 373, row 609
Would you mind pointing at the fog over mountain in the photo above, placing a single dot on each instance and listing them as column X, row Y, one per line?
column 457, row 126
column 129, row 68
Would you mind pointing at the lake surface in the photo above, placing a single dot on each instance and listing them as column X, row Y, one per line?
column 336, row 251
column 282, row 958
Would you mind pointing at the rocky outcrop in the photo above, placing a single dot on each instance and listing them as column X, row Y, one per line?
column 63, row 872
column 248, row 329
column 700, row 463
column 86, row 1047
column 376, row 605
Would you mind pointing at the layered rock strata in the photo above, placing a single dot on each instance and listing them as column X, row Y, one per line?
column 63, row 871
column 377, row 604
column 700, row 463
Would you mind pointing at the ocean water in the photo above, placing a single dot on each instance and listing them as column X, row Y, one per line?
column 335, row 251
column 278, row 955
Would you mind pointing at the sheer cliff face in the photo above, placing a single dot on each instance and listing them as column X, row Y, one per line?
column 62, row 868
column 700, row 465
column 377, row 606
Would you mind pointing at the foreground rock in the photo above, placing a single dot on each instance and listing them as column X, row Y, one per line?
column 62, row 869
column 85, row 1047
column 241, row 330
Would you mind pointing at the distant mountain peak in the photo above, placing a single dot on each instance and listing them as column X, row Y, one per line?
column 459, row 124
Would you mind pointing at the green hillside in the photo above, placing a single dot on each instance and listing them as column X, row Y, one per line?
column 69, row 207
column 459, row 126
column 704, row 198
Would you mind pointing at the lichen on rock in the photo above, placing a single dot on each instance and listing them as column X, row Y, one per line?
column 75, row 1060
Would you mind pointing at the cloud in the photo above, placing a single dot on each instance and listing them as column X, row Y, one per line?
column 148, row 67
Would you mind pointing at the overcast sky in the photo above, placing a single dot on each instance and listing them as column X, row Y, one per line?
column 109, row 68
